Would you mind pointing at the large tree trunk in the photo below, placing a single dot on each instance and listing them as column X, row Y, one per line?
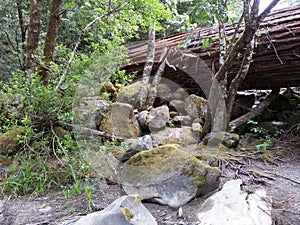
column 276, row 62
column 33, row 35
column 51, row 37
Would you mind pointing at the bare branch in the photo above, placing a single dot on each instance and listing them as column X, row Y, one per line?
column 82, row 34
column 267, row 10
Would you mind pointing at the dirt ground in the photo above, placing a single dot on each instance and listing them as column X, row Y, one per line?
column 280, row 178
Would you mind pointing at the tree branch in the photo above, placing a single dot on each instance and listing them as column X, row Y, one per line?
column 82, row 34
column 235, row 83
column 69, row 126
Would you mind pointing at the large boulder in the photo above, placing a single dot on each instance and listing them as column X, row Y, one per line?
column 121, row 121
column 9, row 141
column 232, row 206
column 168, row 175
column 126, row 210
column 183, row 136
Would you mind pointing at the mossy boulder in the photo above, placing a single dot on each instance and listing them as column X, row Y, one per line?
column 9, row 141
column 89, row 111
column 168, row 175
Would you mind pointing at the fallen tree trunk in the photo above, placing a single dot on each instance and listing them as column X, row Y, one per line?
column 276, row 59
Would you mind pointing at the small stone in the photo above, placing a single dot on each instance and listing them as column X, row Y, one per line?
column 197, row 127
column 125, row 210
column 180, row 212
column 184, row 120
column 45, row 210
column 109, row 87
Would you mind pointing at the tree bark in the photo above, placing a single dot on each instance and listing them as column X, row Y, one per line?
column 50, row 42
column 142, row 97
column 33, row 35
column 23, row 30
column 156, row 80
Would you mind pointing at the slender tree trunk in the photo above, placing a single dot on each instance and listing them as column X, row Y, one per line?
column 23, row 30
column 156, row 80
column 33, row 35
column 51, row 37
column 142, row 97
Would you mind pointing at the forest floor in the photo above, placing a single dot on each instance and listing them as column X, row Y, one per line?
column 280, row 179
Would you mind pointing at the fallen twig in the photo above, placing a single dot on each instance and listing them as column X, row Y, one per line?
column 92, row 131
column 282, row 176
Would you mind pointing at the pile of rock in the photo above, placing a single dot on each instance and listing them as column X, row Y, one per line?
column 158, row 162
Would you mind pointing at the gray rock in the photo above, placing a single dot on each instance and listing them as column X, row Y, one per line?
column 168, row 175
column 142, row 118
column 184, row 120
column 126, row 210
column 137, row 145
column 158, row 117
column 232, row 206
column 196, row 106
column 121, row 121
column 178, row 106
column 90, row 111
column 141, row 143
column 184, row 136
column 230, row 140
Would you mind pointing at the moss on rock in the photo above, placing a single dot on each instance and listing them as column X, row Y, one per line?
column 127, row 213
column 9, row 141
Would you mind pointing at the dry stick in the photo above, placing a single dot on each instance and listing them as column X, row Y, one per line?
column 95, row 132
column 282, row 176
column 53, row 141
column 83, row 32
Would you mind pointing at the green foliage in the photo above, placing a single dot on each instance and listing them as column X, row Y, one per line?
column 37, row 169
column 209, row 12
column 263, row 138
